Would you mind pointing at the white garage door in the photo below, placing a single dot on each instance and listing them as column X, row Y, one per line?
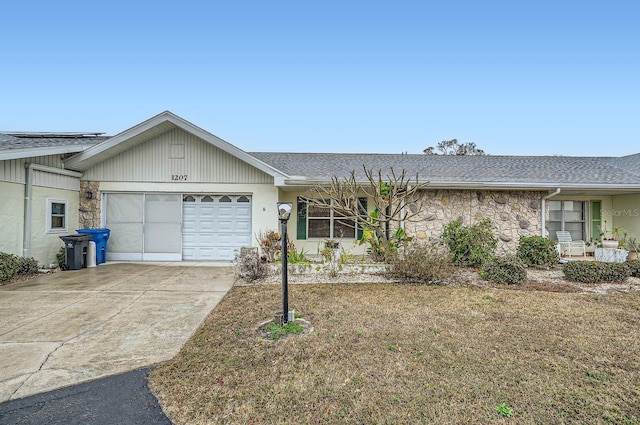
column 215, row 226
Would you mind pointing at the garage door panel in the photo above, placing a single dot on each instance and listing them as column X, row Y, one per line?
column 207, row 212
column 214, row 227
column 225, row 226
column 226, row 253
column 225, row 212
column 206, row 226
column 206, row 254
column 243, row 226
column 188, row 253
column 243, row 212
column 189, row 225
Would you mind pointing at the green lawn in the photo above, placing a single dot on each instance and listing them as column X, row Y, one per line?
column 402, row 354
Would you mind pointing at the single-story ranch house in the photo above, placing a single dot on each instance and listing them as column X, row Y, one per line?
column 171, row 191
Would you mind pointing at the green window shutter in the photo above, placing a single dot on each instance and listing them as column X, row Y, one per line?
column 596, row 220
column 302, row 219
column 362, row 207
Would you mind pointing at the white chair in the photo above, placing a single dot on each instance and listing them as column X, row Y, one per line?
column 567, row 244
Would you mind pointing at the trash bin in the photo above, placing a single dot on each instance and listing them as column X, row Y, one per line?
column 76, row 247
column 100, row 237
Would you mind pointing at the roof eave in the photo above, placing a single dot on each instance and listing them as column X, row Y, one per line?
column 301, row 182
column 42, row 151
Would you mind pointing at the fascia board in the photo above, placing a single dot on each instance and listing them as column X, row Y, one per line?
column 34, row 152
column 485, row 185
column 76, row 160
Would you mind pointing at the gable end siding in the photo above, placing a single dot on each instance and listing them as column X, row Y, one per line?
column 176, row 153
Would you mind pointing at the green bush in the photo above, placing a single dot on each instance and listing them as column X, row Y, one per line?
column 420, row 263
column 507, row 270
column 11, row 265
column 8, row 266
column 594, row 272
column 537, row 251
column 26, row 266
column 61, row 257
column 470, row 245
column 634, row 267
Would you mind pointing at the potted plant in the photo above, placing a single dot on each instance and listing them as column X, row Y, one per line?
column 632, row 246
column 609, row 241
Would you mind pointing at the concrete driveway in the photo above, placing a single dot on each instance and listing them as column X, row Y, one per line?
column 67, row 327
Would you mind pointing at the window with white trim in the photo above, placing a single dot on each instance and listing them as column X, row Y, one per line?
column 327, row 223
column 569, row 216
column 57, row 210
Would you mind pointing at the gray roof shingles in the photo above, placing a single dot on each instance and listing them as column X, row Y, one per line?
column 9, row 141
column 543, row 170
column 487, row 169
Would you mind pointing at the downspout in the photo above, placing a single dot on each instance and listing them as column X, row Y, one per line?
column 28, row 192
column 26, row 236
column 543, row 231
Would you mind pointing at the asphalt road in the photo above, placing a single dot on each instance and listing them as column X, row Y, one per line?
column 121, row 399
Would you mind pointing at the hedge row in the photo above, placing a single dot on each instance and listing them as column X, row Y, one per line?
column 594, row 272
column 12, row 265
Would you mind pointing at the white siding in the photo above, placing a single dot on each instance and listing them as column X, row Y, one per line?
column 14, row 171
column 12, row 213
column 176, row 153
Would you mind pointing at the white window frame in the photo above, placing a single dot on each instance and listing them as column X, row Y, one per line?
column 564, row 221
column 332, row 219
column 50, row 202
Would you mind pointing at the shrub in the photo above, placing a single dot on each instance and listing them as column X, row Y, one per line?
column 537, row 251
column 594, row 272
column 249, row 265
column 8, row 266
column 614, row 272
column 634, row 267
column 507, row 270
column 61, row 257
column 420, row 263
column 270, row 244
column 470, row 245
column 26, row 266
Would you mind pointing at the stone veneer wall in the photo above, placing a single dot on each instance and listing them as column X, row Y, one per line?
column 513, row 214
column 89, row 217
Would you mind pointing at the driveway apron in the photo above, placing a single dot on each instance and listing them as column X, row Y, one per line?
column 68, row 327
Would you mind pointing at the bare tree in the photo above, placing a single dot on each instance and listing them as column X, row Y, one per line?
column 453, row 147
column 392, row 201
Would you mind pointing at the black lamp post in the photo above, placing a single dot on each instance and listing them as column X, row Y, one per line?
column 284, row 212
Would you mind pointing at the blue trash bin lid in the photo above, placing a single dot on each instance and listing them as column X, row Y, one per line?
column 100, row 231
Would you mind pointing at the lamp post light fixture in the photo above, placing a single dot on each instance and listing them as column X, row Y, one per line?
column 284, row 213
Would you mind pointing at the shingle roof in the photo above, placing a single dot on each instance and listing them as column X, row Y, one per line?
column 524, row 170
column 14, row 141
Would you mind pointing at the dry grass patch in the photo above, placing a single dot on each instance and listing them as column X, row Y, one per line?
column 401, row 354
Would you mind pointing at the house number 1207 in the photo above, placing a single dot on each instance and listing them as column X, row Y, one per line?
column 179, row 177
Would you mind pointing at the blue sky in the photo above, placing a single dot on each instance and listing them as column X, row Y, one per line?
column 515, row 77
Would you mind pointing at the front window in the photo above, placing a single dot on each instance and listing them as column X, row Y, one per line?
column 569, row 216
column 57, row 215
column 327, row 223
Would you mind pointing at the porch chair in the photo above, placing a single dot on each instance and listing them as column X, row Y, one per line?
column 567, row 244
